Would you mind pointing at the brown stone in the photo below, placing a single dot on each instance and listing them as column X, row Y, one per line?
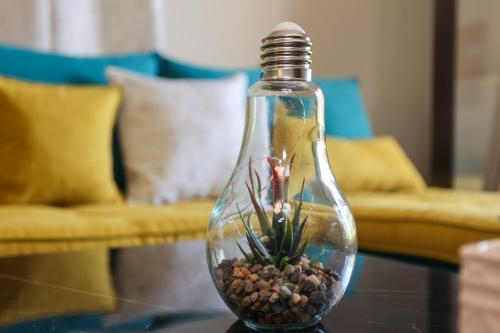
column 249, row 286
column 295, row 298
column 285, row 293
column 256, row 268
column 254, row 296
column 289, row 269
column 264, row 296
column 245, row 272
column 274, row 297
column 263, row 285
column 257, row 306
column 235, row 284
column 246, row 302
column 277, row 307
column 254, row 277
column 314, row 280
column 278, row 319
column 235, row 299
column 303, row 300
column 219, row 273
column 265, row 308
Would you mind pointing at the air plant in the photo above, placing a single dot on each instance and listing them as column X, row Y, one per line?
column 282, row 240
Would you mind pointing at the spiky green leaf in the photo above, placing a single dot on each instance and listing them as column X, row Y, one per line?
column 283, row 262
column 279, row 220
column 298, row 210
column 247, row 257
column 298, row 254
column 286, row 244
column 265, row 226
column 261, row 259
column 253, row 239
column 299, row 234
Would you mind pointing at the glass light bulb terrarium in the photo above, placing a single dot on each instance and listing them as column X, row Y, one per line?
column 281, row 241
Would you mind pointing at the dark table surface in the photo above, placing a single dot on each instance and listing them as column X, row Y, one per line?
column 167, row 289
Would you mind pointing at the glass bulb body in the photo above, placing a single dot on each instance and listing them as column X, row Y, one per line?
column 290, row 272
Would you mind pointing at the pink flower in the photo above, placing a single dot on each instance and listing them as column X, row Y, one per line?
column 278, row 184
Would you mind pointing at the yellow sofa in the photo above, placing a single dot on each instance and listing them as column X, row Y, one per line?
column 430, row 224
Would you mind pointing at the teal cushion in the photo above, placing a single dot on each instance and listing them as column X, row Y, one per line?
column 53, row 68
column 179, row 70
column 345, row 114
column 60, row 69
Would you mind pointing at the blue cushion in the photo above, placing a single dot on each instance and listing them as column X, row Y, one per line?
column 60, row 69
column 53, row 68
column 179, row 70
column 345, row 114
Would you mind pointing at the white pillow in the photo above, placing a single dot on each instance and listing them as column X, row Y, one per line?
column 180, row 138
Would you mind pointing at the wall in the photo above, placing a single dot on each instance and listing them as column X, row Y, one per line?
column 386, row 43
column 478, row 84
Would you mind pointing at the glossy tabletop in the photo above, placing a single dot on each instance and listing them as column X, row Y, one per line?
column 167, row 289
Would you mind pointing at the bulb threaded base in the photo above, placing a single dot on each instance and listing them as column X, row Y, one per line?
column 286, row 55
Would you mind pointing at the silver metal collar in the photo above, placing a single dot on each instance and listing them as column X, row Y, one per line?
column 286, row 55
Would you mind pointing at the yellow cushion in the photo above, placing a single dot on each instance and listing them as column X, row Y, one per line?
column 28, row 229
column 41, row 285
column 55, row 143
column 377, row 164
column 432, row 224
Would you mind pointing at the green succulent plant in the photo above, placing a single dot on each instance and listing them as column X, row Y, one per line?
column 282, row 240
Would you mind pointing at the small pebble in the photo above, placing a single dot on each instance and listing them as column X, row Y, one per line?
column 268, row 295
column 289, row 269
column 309, row 286
column 277, row 319
column 269, row 267
column 264, row 296
column 235, row 284
column 246, row 302
column 245, row 272
column 257, row 306
column 274, row 297
column 234, row 299
column 256, row 268
column 317, row 266
column 317, row 298
column 248, row 286
column 254, row 296
column 314, row 280
column 226, row 263
column 277, row 307
column 295, row 298
column 335, row 276
column 285, row 293
column 294, row 278
column 263, row 285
